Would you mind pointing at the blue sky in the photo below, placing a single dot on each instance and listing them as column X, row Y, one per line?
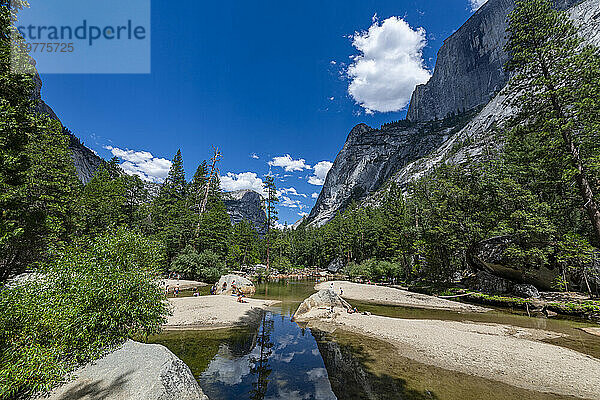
column 261, row 80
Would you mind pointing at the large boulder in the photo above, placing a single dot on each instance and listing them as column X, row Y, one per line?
column 320, row 305
column 136, row 371
column 525, row 290
column 335, row 266
column 485, row 282
column 242, row 285
column 492, row 256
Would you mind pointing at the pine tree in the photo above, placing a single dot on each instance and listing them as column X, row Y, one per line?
column 172, row 219
column 37, row 176
column 559, row 79
column 270, row 202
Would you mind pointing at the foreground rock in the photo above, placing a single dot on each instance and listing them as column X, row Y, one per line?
column 135, row 371
column 321, row 304
column 210, row 312
column 512, row 355
column 392, row 296
column 242, row 284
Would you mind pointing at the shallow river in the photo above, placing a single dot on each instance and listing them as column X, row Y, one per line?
column 278, row 359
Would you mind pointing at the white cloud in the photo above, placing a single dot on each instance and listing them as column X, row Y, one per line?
column 255, row 156
column 303, row 214
column 475, row 4
column 292, row 191
column 243, row 181
column 315, row 195
column 279, row 225
column 289, row 164
column 285, row 201
column 321, row 169
column 142, row 164
column 389, row 65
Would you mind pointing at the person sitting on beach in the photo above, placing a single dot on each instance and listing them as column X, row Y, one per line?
column 341, row 292
column 240, row 299
column 224, row 286
column 196, row 293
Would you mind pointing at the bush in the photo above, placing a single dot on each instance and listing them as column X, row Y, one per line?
column 375, row 270
column 90, row 299
column 206, row 266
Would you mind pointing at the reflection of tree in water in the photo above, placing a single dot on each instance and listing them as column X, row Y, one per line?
column 261, row 363
column 350, row 378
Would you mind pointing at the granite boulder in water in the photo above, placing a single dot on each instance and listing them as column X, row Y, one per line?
column 320, row 305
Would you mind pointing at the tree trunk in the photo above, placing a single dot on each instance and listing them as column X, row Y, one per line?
column 583, row 182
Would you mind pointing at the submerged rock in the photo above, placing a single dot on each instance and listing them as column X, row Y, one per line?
column 320, row 305
column 136, row 371
column 241, row 284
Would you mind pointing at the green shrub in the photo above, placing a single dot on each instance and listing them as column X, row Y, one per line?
column 375, row 270
column 206, row 266
column 90, row 299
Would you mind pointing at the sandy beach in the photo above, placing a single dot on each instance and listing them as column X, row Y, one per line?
column 508, row 354
column 209, row 312
column 398, row 297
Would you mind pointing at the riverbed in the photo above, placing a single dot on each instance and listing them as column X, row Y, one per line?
column 275, row 358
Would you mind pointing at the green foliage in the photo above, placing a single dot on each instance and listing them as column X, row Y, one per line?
column 206, row 266
column 554, row 141
column 111, row 198
column 92, row 297
column 374, row 270
column 37, row 175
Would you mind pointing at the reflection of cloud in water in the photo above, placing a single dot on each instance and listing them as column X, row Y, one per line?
column 285, row 341
column 283, row 394
column 228, row 369
column 322, row 386
column 287, row 357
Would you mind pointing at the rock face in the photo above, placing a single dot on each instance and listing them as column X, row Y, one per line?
column 468, row 74
column 85, row 160
column 370, row 157
column 136, row 371
column 470, row 65
column 335, row 266
column 487, row 283
column 246, row 205
column 242, row 284
column 526, row 291
column 319, row 305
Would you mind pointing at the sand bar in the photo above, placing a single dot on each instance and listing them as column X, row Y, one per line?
column 208, row 312
column 503, row 353
column 398, row 297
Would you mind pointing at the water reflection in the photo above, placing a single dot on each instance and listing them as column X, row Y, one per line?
column 284, row 362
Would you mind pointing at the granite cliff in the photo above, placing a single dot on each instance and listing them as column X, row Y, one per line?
column 86, row 161
column 469, row 70
column 468, row 88
column 246, row 205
